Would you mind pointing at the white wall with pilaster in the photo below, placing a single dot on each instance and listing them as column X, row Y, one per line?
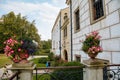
column 109, row 29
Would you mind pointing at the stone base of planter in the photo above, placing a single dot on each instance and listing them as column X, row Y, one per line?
column 94, row 69
column 22, row 65
column 96, row 61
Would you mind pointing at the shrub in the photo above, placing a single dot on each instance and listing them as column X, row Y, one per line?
column 36, row 61
column 59, row 62
column 69, row 74
column 47, row 51
column 43, row 60
column 51, row 56
column 72, row 64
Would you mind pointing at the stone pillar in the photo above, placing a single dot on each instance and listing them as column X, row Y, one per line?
column 26, row 70
column 94, row 69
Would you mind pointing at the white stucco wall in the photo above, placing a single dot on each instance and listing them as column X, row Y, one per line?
column 56, row 37
column 109, row 29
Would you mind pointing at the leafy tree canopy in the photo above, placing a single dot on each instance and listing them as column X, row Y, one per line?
column 16, row 25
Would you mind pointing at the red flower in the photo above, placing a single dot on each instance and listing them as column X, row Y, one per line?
column 16, row 60
column 24, row 55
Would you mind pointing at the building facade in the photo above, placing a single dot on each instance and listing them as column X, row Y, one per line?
column 96, row 15
column 55, row 34
column 60, row 35
column 65, row 36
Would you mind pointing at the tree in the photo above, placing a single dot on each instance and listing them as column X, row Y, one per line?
column 16, row 25
column 45, row 46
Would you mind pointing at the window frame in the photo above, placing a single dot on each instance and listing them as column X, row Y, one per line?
column 65, row 32
column 78, row 58
column 92, row 21
column 75, row 25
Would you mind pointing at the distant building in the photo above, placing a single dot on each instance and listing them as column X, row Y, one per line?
column 58, row 33
column 102, row 16
column 65, row 36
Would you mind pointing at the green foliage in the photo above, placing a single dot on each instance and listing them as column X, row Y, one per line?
column 45, row 46
column 45, row 51
column 36, row 61
column 51, row 56
column 43, row 60
column 72, row 64
column 57, row 60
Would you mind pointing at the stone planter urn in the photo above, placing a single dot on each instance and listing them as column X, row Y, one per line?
column 93, row 56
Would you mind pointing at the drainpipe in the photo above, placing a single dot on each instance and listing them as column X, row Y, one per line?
column 71, row 29
column 60, row 35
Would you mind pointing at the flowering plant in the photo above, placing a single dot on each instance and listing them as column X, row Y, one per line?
column 91, row 45
column 13, row 49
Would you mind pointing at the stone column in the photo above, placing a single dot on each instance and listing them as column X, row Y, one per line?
column 94, row 69
column 26, row 70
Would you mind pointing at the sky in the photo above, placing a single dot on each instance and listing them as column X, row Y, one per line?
column 44, row 12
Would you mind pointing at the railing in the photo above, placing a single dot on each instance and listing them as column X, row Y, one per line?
column 111, row 72
column 14, row 76
column 59, row 73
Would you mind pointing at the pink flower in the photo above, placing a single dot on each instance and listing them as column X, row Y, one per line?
column 101, row 49
column 12, row 51
column 7, row 48
column 21, row 42
column 98, row 37
column 19, row 49
column 4, row 42
column 9, row 54
column 16, row 60
column 26, row 55
column 94, row 33
column 15, row 41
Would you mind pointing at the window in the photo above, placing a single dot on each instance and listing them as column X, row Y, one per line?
column 77, row 24
column 97, row 8
column 78, row 58
column 65, row 32
column 65, row 16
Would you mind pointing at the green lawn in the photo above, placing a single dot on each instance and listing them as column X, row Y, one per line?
column 4, row 60
column 37, row 63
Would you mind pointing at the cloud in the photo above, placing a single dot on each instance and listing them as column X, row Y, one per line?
column 59, row 2
column 43, row 13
